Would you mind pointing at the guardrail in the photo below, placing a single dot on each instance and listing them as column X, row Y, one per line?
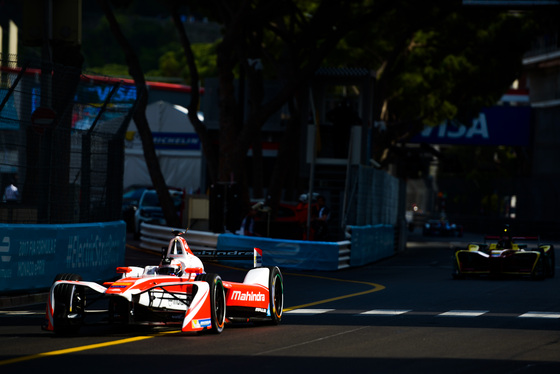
column 153, row 237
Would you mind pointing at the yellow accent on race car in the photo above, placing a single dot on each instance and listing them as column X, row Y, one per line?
column 473, row 247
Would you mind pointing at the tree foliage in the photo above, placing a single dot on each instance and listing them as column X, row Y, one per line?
column 437, row 62
column 433, row 61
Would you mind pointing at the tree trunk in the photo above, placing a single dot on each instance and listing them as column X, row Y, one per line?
column 209, row 150
column 287, row 161
column 168, row 207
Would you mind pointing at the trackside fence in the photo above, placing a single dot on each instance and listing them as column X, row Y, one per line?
column 371, row 243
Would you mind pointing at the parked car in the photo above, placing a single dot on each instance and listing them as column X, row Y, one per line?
column 290, row 221
column 150, row 211
column 130, row 201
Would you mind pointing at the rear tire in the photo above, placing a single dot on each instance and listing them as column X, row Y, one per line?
column 276, row 295
column 69, row 306
column 217, row 301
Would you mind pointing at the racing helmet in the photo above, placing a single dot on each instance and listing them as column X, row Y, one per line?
column 174, row 267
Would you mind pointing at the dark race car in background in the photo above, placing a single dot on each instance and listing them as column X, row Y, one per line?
column 441, row 227
column 505, row 255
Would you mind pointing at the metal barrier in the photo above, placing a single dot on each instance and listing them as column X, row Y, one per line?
column 344, row 254
column 153, row 237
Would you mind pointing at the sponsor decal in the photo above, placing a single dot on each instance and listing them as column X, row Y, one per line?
column 5, row 248
column 169, row 140
column 449, row 130
column 260, row 310
column 4, row 251
column 201, row 323
column 121, row 284
column 222, row 253
column 86, row 251
column 247, row 296
column 174, row 302
column 234, row 253
column 498, row 125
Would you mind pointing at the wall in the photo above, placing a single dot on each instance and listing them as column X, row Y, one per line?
column 32, row 255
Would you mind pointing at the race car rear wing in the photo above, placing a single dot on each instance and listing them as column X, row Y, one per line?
column 230, row 254
column 497, row 237
column 222, row 254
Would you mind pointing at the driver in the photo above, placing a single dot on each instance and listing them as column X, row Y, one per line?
column 506, row 242
column 173, row 267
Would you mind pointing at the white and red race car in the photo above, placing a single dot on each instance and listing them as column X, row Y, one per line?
column 177, row 291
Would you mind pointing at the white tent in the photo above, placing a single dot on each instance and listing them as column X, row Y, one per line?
column 177, row 145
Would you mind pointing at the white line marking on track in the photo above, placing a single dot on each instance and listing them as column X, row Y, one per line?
column 385, row 312
column 540, row 315
column 463, row 313
column 450, row 313
column 309, row 311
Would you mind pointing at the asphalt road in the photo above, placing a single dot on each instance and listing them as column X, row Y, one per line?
column 400, row 315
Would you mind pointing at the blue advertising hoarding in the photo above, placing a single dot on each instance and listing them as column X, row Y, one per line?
column 9, row 119
column 32, row 255
column 499, row 125
column 288, row 254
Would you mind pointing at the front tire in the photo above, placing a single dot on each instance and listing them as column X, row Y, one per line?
column 69, row 307
column 456, row 272
column 217, row 301
column 276, row 295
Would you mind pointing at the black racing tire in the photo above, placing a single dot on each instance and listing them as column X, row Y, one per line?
column 69, row 300
column 217, row 301
column 276, row 294
column 455, row 272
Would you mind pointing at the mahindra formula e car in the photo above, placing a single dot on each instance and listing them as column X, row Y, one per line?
column 505, row 256
column 175, row 292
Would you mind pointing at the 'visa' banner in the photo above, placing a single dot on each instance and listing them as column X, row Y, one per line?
column 499, row 125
